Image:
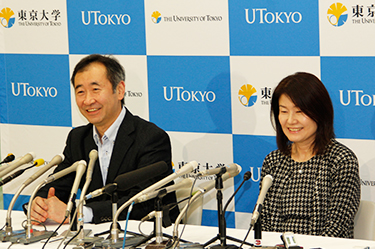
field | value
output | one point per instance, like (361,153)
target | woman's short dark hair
(115,72)
(308,93)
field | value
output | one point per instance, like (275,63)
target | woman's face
(296,125)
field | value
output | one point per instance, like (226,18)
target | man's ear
(120,90)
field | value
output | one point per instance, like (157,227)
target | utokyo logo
(156,17)
(26,90)
(7,17)
(180,94)
(337,14)
(104,19)
(273,17)
(247,95)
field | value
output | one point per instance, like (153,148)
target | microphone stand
(118,244)
(159,241)
(222,236)
(158,234)
(32,235)
(114,199)
(258,232)
(184,170)
(82,239)
(9,233)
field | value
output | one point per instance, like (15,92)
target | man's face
(95,97)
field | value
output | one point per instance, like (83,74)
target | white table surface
(192,233)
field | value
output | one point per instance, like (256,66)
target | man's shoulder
(81,130)
(141,124)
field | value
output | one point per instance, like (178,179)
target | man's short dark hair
(115,72)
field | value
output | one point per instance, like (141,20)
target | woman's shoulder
(275,155)
(339,156)
(338,149)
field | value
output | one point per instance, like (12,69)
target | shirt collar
(111,132)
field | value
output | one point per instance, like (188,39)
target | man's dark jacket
(138,143)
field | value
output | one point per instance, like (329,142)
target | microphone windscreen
(247,175)
(128,180)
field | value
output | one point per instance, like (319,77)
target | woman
(316,187)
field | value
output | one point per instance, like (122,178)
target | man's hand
(56,208)
(51,208)
(39,210)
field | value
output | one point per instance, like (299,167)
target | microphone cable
(187,209)
(67,232)
(126,224)
(9,178)
(246,177)
(73,237)
(54,232)
(247,234)
(70,225)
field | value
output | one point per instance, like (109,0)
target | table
(193,233)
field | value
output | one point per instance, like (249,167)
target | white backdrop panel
(355,37)
(41,27)
(187,27)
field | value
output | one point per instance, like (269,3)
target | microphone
(266,184)
(225,177)
(201,190)
(246,177)
(93,155)
(231,168)
(187,168)
(51,178)
(81,168)
(37,163)
(6,165)
(107,189)
(10,157)
(25,159)
(55,161)
(186,183)
(128,180)
(61,173)
(132,178)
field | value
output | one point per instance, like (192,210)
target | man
(124,143)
